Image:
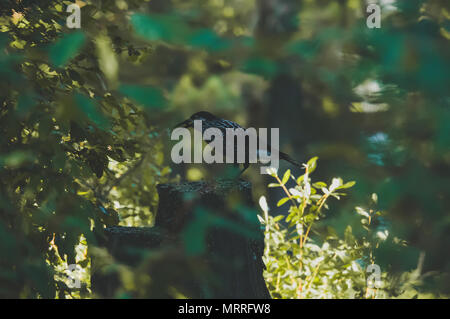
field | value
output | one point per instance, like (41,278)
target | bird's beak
(187,123)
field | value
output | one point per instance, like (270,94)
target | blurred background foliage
(84,118)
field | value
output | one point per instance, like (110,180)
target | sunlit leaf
(312,164)
(282,201)
(286,176)
(347,185)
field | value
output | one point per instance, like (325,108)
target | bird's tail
(287,158)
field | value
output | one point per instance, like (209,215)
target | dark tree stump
(225,263)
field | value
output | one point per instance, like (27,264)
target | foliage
(303,261)
(75,154)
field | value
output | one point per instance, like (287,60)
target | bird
(209,120)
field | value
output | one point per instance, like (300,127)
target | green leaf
(148,96)
(346,185)
(282,201)
(300,179)
(26,102)
(312,164)
(209,40)
(278,218)
(151,27)
(66,48)
(89,108)
(319,184)
(161,27)
(260,66)
(286,176)
(107,59)
(274,185)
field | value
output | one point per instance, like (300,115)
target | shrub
(305,259)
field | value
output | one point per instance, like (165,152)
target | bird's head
(200,116)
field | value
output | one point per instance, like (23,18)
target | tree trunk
(210,225)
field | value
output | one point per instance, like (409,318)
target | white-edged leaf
(272,171)
(263,204)
(295,192)
(307,190)
(375,198)
(361,211)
